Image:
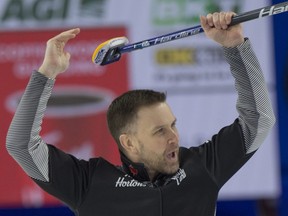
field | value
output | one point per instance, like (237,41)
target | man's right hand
(56,59)
(216,27)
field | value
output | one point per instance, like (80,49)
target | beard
(159,163)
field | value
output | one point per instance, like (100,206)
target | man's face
(157,139)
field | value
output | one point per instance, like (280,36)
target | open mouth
(172,155)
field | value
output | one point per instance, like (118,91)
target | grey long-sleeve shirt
(253,105)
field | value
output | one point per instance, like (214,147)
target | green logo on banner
(174,12)
(46,10)
(92,8)
(20,10)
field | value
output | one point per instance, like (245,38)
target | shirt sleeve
(233,145)
(256,115)
(55,171)
(23,141)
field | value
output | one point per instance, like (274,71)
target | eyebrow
(154,129)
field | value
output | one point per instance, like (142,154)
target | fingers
(65,36)
(217,20)
(58,42)
(56,59)
(204,23)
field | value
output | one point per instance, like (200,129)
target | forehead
(155,115)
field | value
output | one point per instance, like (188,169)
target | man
(157,177)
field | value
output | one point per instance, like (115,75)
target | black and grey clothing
(96,187)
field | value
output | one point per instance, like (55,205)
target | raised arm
(256,116)
(233,145)
(23,141)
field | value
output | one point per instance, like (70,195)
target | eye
(173,125)
(160,130)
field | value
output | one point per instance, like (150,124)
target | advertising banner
(75,120)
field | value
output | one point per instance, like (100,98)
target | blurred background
(192,71)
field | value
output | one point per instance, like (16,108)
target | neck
(151,174)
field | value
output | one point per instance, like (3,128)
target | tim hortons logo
(126,181)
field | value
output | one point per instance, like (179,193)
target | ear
(127,143)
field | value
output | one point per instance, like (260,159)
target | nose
(173,136)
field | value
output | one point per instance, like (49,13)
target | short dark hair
(122,112)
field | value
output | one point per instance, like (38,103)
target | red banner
(75,120)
